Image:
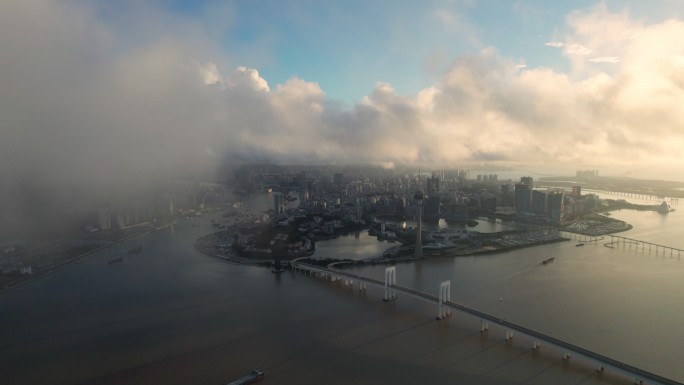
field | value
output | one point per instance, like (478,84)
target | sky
(96,92)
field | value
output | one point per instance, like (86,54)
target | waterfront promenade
(535,341)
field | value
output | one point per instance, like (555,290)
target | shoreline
(200,246)
(87,254)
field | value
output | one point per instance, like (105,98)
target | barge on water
(253,376)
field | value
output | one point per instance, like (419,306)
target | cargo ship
(253,376)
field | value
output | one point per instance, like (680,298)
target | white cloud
(577,49)
(249,78)
(605,59)
(80,105)
(209,72)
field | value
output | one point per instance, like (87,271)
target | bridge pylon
(390,281)
(444,296)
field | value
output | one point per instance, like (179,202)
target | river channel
(171,315)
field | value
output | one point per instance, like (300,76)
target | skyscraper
(556,206)
(278,203)
(528,181)
(523,195)
(432,186)
(431,209)
(338,180)
(418,253)
(576,191)
(539,204)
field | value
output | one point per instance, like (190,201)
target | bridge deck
(562,347)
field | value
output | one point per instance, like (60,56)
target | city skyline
(99,92)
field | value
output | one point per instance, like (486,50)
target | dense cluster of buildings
(12,264)
(554,205)
(357,193)
(177,197)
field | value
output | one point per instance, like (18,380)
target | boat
(579,244)
(547,261)
(253,376)
(116,260)
(135,250)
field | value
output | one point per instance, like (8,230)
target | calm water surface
(203,321)
(625,304)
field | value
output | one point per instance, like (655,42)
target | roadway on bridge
(545,340)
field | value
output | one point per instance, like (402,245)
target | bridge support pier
(390,280)
(536,346)
(509,335)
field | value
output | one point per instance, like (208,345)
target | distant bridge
(617,241)
(641,196)
(389,284)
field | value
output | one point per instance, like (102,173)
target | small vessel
(579,244)
(547,261)
(116,260)
(253,376)
(135,250)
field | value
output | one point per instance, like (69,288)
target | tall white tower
(418,197)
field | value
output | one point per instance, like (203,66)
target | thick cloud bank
(81,99)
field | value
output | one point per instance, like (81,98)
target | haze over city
(213,191)
(92,90)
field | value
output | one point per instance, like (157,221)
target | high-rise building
(587,173)
(337,180)
(523,195)
(358,208)
(507,195)
(528,181)
(418,252)
(431,208)
(104,219)
(433,186)
(539,201)
(278,203)
(576,191)
(555,199)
